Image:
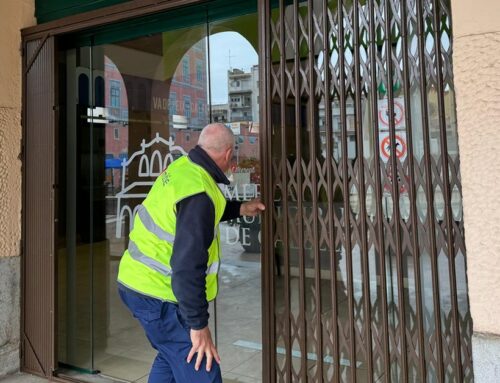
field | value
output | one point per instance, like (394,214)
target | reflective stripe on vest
(139,256)
(152,227)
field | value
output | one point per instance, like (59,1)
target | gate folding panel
(365,278)
(38,278)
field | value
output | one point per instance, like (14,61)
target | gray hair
(216,137)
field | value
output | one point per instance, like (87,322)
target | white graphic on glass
(149,167)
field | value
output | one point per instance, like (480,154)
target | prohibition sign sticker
(383,114)
(400,147)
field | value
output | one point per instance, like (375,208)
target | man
(168,274)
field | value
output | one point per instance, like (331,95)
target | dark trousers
(168,335)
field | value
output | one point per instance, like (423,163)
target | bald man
(168,273)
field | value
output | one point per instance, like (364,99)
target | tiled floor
(22,378)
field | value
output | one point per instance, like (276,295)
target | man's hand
(252,208)
(203,345)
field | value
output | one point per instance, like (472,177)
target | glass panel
(74,244)
(156,103)
(141,104)
(234,89)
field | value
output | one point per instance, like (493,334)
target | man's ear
(229,154)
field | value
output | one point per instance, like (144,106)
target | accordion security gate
(368,274)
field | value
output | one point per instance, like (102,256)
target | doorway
(134,98)
(364,266)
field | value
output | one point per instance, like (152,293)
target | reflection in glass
(141,103)
(234,93)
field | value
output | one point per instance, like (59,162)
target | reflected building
(243,94)
(188,90)
(184,104)
(220,112)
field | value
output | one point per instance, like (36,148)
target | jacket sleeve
(231,211)
(193,236)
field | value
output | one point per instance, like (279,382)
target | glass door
(134,98)
(234,87)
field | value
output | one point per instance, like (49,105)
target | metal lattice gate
(366,279)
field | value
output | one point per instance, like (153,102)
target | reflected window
(185,69)
(173,103)
(114,93)
(83,89)
(187,106)
(116,133)
(199,71)
(99,91)
(201,108)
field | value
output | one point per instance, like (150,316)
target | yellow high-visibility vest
(145,265)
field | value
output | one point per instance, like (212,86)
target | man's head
(218,141)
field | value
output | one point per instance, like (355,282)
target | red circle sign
(388,185)
(385,147)
(383,114)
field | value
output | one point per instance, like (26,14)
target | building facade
(141,77)
(243,91)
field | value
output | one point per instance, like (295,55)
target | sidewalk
(22,378)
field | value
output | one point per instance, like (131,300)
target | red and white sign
(386,146)
(388,184)
(383,114)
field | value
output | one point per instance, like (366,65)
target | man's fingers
(199,359)
(191,354)
(216,355)
(209,360)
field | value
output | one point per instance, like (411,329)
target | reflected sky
(228,50)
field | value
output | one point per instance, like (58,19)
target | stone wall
(9,315)
(14,15)
(476,67)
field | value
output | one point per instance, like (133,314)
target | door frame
(51,31)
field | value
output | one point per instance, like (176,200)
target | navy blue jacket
(193,236)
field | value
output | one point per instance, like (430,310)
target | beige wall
(14,14)
(476,65)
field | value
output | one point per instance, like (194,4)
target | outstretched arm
(252,207)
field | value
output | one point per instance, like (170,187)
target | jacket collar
(201,158)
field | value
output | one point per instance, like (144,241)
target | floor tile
(22,378)
(124,368)
(236,378)
(251,368)
(233,356)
